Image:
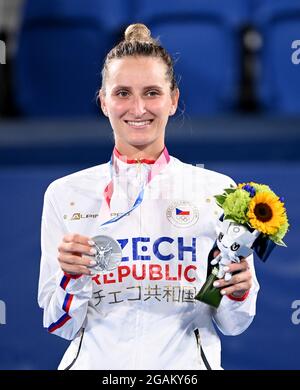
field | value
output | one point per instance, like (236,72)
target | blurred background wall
(238,68)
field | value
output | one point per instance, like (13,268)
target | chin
(139,141)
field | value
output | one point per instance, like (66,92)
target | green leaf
(230,190)
(220,199)
(280,243)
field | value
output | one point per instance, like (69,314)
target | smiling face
(137,99)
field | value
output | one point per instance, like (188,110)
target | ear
(174,97)
(102,102)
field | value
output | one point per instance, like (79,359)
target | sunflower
(266,213)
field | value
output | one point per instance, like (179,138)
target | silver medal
(108,256)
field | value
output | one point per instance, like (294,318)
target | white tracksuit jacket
(141,315)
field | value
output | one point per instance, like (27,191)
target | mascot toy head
(235,240)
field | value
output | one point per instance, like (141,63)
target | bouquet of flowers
(254,219)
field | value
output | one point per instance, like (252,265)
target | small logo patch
(79,216)
(182,214)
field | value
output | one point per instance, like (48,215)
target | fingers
(77,244)
(75,269)
(76,260)
(75,264)
(73,247)
(71,254)
(234,267)
(77,238)
(239,283)
(237,290)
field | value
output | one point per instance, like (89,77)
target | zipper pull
(138,161)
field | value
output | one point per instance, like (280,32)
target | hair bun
(138,32)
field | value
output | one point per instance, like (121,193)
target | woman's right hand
(71,254)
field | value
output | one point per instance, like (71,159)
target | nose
(138,107)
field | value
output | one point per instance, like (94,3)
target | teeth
(144,123)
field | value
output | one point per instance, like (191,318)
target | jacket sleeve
(64,298)
(234,316)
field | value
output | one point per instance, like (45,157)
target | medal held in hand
(254,220)
(108,256)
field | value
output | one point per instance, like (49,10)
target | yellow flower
(266,213)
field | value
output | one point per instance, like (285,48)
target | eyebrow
(153,87)
(145,88)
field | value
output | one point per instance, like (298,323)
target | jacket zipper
(77,354)
(138,161)
(203,357)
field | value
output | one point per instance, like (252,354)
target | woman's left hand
(240,283)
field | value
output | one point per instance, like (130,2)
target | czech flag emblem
(182,212)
